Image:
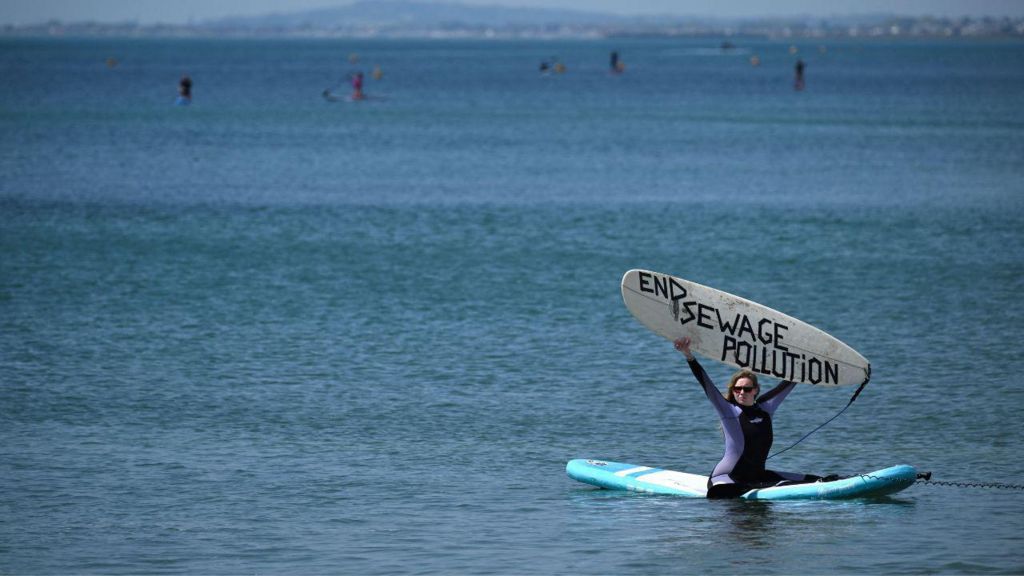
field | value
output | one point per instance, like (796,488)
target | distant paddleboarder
(184,91)
(554,65)
(355,80)
(798,79)
(615,65)
(357,86)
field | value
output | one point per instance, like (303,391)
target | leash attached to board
(822,425)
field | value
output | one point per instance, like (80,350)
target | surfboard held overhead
(739,332)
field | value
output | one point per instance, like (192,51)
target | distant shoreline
(72,35)
(881,28)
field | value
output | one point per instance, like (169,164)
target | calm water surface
(267,333)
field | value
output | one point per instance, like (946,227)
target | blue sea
(268,333)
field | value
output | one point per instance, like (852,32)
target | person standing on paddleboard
(747,421)
(798,75)
(357,86)
(184,91)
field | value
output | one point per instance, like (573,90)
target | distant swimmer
(798,80)
(755,60)
(377,73)
(184,91)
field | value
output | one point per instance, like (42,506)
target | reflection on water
(752,521)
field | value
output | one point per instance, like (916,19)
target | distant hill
(421,18)
(419,15)
(449,19)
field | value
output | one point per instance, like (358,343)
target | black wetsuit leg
(722,491)
(767,480)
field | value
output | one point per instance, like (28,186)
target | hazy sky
(180,11)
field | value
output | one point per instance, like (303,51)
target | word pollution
(758,344)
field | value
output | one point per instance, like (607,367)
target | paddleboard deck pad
(619,476)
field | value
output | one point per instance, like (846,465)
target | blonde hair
(736,378)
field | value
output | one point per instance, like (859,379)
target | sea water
(267,333)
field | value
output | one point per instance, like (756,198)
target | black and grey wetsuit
(748,439)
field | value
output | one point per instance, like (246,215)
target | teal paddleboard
(619,476)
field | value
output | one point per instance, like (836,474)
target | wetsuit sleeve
(722,405)
(771,399)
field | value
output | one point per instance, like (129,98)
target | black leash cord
(926,479)
(822,425)
(922,477)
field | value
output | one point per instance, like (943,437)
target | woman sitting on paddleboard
(747,422)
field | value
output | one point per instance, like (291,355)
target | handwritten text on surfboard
(757,344)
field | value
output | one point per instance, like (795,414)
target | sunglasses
(747,389)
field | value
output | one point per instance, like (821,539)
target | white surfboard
(741,333)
